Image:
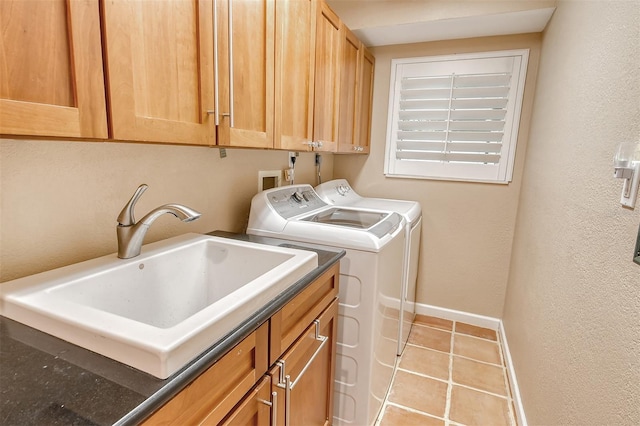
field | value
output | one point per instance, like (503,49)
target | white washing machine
(370,275)
(338,192)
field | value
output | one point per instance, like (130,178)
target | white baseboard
(511,372)
(453,315)
(492,324)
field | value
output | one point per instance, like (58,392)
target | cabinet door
(52,81)
(294,72)
(210,397)
(306,372)
(366,101)
(348,125)
(256,408)
(245,35)
(327,79)
(160,70)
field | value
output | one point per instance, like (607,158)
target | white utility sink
(157,311)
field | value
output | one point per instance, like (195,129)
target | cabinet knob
(314,144)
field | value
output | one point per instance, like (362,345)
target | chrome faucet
(131,234)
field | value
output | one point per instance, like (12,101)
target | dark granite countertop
(48,381)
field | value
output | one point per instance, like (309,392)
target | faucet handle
(126,218)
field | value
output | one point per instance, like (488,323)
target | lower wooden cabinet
(257,408)
(281,374)
(210,397)
(303,376)
(290,322)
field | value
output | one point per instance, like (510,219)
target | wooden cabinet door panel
(349,92)
(327,79)
(245,32)
(289,322)
(306,372)
(160,70)
(52,81)
(255,408)
(366,101)
(277,397)
(210,397)
(295,62)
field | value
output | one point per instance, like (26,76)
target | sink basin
(158,311)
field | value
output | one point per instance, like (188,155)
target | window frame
(503,173)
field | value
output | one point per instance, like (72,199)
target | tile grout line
(437,379)
(458,332)
(450,383)
(413,410)
(479,361)
(506,398)
(447,406)
(417,373)
(385,401)
(501,365)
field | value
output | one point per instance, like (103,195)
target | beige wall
(572,312)
(467,227)
(59,200)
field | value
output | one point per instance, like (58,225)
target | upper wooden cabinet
(365,102)
(159,62)
(327,79)
(294,73)
(283,74)
(356,91)
(265,68)
(348,125)
(51,78)
(245,54)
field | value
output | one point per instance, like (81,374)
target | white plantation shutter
(455,117)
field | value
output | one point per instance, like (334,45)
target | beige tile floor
(450,373)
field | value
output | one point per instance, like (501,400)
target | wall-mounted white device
(626,165)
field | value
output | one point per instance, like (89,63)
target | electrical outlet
(292,157)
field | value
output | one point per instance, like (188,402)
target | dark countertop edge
(222,346)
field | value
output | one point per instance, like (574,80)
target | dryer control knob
(297,197)
(342,189)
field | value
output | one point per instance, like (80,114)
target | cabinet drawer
(215,392)
(291,321)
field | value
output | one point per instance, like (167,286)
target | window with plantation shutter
(455,117)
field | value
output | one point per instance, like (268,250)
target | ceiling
(385,22)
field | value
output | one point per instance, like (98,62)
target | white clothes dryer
(370,275)
(338,192)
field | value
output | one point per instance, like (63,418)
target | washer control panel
(343,189)
(294,200)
